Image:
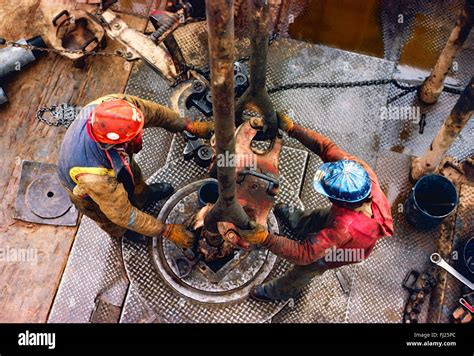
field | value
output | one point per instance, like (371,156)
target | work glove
(178,234)
(284,122)
(257,236)
(201,129)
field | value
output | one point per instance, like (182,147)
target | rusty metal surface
(231,282)
(350,116)
(220,17)
(41,198)
(433,85)
(450,130)
(463,230)
(436,20)
(152,290)
(256,95)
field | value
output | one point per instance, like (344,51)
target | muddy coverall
(108,192)
(331,232)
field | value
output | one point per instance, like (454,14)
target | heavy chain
(118,53)
(363,83)
(181,77)
(62,115)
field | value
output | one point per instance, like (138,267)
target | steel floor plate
(349,116)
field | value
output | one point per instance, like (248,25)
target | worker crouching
(359,216)
(97,168)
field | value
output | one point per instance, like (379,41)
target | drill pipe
(431,89)
(458,118)
(220,19)
(259,11)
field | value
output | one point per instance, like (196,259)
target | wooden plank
(27,289)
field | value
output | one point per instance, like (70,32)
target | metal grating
(351,117)
(140,8)
(154,291)
(436,19)
(377,295)
(400,133)
(94,265)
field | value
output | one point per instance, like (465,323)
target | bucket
(208,193)
(431,200)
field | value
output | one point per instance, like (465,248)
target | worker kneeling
(97,168)
(343,234)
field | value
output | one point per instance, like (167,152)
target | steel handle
(438,260)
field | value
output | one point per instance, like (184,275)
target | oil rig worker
(97,168)
(343,234)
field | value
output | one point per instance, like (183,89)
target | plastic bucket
(431,200)
(208,193)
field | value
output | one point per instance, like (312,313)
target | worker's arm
(157,115)
(308,251)
(112,199)
(319,144)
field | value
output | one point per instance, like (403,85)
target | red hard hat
(116,121)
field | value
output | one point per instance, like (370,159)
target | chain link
(118,53)
(62,115)
(181,77)
(363,83)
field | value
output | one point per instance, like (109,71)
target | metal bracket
(139,45)
(273,183)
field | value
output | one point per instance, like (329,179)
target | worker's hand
(256,236)
(201,129)
(284,122)
(178,234)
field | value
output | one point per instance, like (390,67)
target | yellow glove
(284,122)
(178,234)
(201,129)
(256,236)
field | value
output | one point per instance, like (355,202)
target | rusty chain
(123,54)
(62,115)
(66,120)
(181,77)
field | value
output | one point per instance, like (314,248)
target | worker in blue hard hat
(343,234)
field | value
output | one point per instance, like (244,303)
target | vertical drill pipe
(282,16)
(450,130)
(259,11)
(433,85)
(220,19)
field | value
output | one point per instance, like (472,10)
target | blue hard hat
(343,180)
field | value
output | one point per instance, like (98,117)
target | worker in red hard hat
(345,233)
(97,168)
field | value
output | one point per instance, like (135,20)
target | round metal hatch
(46,197)
(206,283)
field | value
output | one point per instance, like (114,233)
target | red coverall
(343,230)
